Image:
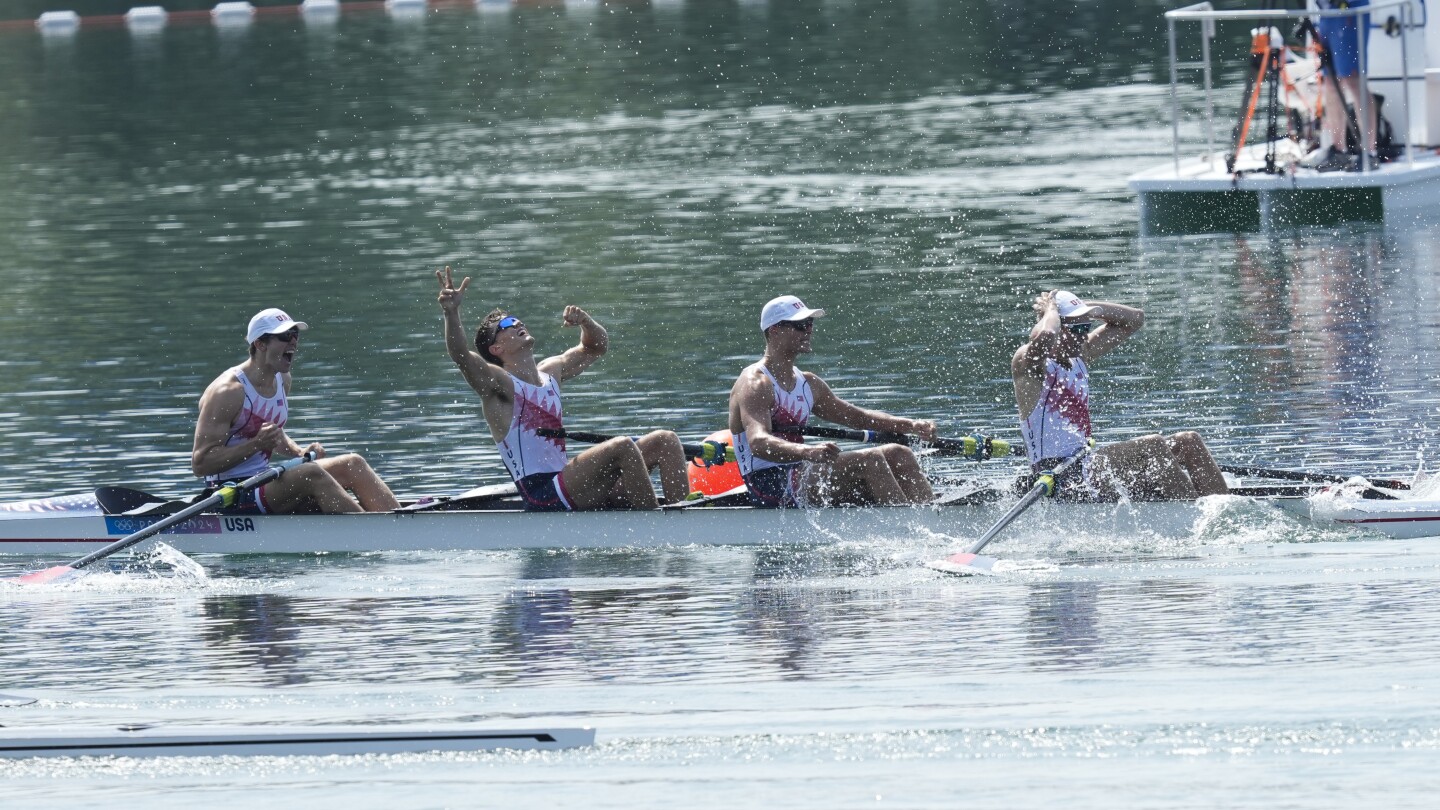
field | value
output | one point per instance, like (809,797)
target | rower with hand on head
(1051,373)
(770,404)
(242,423)
(520,395)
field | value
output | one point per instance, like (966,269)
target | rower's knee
(896,454)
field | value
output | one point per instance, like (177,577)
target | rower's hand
(924,428)
(316,449)
(450,295)
(270,438)
(1044,302)
(575,316)
(826,453)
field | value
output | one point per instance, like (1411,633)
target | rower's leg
(592,476)
(1145,469)
(311,481)
(1195,457)
(661,448)
(355,474)
(857,476)
(908,474)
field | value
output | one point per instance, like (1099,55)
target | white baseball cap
(786,308)
(1070,305)
(271,321)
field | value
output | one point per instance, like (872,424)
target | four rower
(244,411)
(520,395)
(242,423)
(1052,389)
(769,406)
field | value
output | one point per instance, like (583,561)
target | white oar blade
(964,564)
(48,575)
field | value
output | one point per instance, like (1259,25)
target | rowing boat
(144,741)
(74,525)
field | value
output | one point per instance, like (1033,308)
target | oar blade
(965,564)
(45,576)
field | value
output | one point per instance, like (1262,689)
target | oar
(971,562)
(705,451)
(224,496)
(978,448)
(469,499)
(1312,477)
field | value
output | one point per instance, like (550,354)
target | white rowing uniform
(1059,425)
(535,461)
(773,483)
(257,411)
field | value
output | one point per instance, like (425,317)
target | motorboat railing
(1207,16)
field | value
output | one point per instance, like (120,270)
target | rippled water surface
(920,169)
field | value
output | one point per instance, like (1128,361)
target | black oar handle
(977,448)
(1310,477)
(710,452)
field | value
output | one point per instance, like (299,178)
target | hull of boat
(59,534)
(1201,197)
(279,741)
(1400,519)
(66,534)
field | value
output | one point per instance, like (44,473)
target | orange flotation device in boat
(712,478)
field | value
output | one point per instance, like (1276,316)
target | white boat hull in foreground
(279,741)
(81,528)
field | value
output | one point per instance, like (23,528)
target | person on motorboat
(520,395)
(1340,37)
(770,404)
(242,423)
(1051,373)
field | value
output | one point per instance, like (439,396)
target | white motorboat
(1258,182)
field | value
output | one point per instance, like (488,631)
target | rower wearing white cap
(769,406)
(242,423)
(1052,390)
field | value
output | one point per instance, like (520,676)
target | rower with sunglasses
(520,395)
(242,423)
(769,406)
(1052,389)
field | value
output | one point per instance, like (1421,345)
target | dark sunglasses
(801,326)
(507,322)
(284,337)
(1080,329)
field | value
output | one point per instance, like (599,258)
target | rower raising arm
(1052,392)
(520,395)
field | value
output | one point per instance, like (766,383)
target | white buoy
(492,5)
(234,13)
(320,8)
(146,18)
(406,7)
(58,22)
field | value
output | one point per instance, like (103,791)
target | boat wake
(160,568)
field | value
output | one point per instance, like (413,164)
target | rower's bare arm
(594,342)
(485,377)
(219,406)
(1117,324)
(832,408)
(1027,372)
(756,400)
